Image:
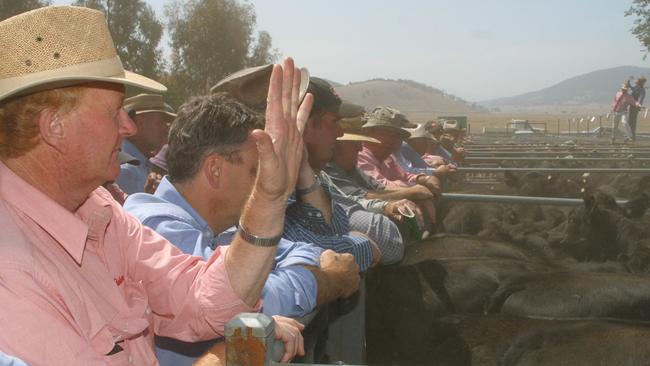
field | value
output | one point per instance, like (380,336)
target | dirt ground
(552,122)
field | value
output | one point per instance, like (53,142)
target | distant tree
(9,8)
(136,32)
(641,29)
(210,39)
(262,52)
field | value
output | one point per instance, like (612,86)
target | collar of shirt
(169,193)
(129,148)
(69,230)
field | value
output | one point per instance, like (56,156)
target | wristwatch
(257,241)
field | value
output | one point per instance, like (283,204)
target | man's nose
(338,128)
(127,125)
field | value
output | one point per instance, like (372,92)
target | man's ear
(52,128)
(212,169)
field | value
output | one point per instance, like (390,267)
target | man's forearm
(388,194)
(328,290)
(249,265)
(315,196)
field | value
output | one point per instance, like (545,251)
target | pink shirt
(622,101)
(72,286)
(388,172)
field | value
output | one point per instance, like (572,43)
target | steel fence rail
(555,153)
(554,170)
(552,158)
(491,198)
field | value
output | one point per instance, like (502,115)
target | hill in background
(592,91)
(417,101)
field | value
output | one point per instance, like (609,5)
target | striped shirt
(305,223)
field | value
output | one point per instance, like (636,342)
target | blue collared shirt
(411,161)
(132,178)
(6,360)
(290,289)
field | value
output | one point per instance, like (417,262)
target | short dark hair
(208,124)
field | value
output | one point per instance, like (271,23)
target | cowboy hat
(58,46)
(357,137)
(421,132)
(251,86)
(147,103)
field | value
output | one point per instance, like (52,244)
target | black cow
(566,295)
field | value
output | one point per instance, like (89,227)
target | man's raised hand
(280,145)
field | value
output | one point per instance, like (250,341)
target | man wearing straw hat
(638,93)
(152,117)
(367,191)
(83,283)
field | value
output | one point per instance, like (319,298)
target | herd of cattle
(524,284)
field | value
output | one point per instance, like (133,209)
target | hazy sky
(475,49)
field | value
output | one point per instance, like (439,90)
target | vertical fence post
(250,341)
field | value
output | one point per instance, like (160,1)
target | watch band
(314,186)
(257,241)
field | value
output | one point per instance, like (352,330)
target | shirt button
(126,327)
(130,358)
(148,311)
(319,214)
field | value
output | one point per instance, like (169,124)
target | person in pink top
(622,100)
(81,281)
(378,160)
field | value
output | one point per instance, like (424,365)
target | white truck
(514,128)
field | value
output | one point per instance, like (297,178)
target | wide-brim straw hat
(251,86)
(347,136)
(389,118)
(58,46)
(148,103)
(421,132)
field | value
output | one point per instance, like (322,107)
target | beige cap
(147,103)
(251,86)
(59,46)
(357,137)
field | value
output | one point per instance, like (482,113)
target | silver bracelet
(311,188)
(255,240)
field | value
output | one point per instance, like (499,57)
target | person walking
(638,93)
(622,100)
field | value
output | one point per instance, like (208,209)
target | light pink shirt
(622,101)
(72,285)
(388,172)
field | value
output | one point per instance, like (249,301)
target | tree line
(208,39)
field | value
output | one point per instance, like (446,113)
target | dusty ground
(551,121)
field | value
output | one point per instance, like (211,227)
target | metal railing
(553,170)
(490,198)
